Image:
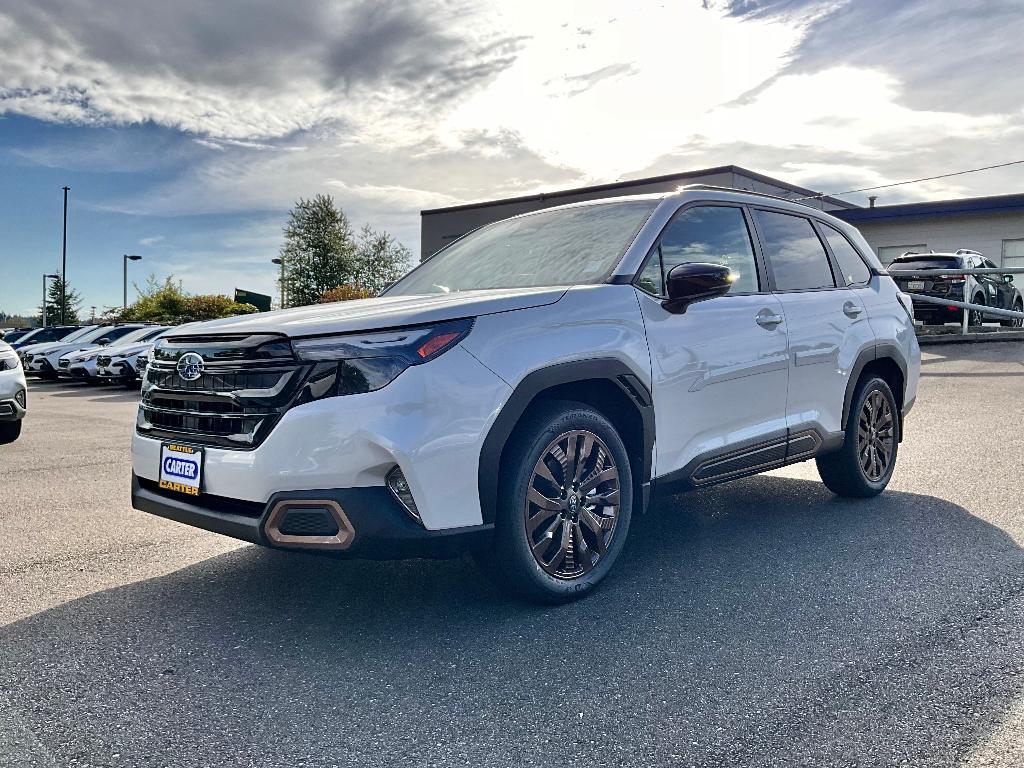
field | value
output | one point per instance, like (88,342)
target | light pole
(281,262)
(45,278)
(127,257)
(64,260)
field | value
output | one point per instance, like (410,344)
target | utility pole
(281,262)
(64,261)
(127,257)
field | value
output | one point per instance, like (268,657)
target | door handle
(767,319)
(851,310)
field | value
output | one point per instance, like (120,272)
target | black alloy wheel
(572,504)
(875,436)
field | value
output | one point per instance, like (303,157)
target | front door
(720,368)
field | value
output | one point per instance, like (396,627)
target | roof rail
(968,251)
(737,190)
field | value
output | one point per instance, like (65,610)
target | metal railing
(946,272)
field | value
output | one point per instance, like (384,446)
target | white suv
(523,393)
(12,394)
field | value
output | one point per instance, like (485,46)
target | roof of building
(680,177)
(991,204)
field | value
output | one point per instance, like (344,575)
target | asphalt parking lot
(759,623)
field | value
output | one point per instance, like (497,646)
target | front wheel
(1014,322)
(864,465)
(564,507)
(9,431)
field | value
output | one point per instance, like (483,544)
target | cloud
(240,70)
(150,241)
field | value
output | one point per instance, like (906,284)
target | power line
(909,181)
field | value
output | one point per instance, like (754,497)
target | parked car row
(105,354)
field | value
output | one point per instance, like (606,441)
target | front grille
(63,363)
(236,400)
(104,360)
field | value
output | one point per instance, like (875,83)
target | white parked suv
(12,394)
(524,392)
(84,365)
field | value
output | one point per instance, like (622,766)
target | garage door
(1013,258)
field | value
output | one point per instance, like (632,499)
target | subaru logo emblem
(190,366)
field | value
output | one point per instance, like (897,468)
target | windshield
(921,262)
(77,335)
(570,246)
(140,334)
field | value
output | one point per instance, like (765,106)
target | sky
(186,130)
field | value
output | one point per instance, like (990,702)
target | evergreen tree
(379,260)
(56,299)
(318,251)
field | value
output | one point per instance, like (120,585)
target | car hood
(381,312)
(63,349)
(77,352)
(129,350)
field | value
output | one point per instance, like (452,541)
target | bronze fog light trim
(341,540)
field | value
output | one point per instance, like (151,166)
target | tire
(531,471)
(1014,322)
(976,316)
(844,471)
(9,431)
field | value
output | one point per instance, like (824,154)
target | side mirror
(687,284)
(102,341)
(1007,278)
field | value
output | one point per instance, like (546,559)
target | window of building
(713,234)
(889,252)
(798,258)
(854,269)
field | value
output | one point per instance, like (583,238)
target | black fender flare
(535,382)
(882,350)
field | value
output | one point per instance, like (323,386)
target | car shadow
(751,624)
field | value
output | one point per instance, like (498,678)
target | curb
(970,338)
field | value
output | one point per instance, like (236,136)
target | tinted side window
(713,234)
(797,256)
(854,269)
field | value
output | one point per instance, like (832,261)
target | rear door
(720,368)
(825,318)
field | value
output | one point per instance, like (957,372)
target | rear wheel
(9,431)
(1014,322)
(864,465)
(977,316)
(564,507)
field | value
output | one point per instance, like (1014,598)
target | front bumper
(85,371)
(39,366)
(381,528)
(431,421)
(13,409)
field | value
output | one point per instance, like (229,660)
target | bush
(345,293)
(166,302)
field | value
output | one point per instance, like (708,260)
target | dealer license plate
(181,468)
(915,285)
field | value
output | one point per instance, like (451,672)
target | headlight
(364,362)
(8,360)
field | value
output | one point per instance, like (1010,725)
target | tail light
(954,278)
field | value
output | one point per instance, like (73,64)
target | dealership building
(992,225)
